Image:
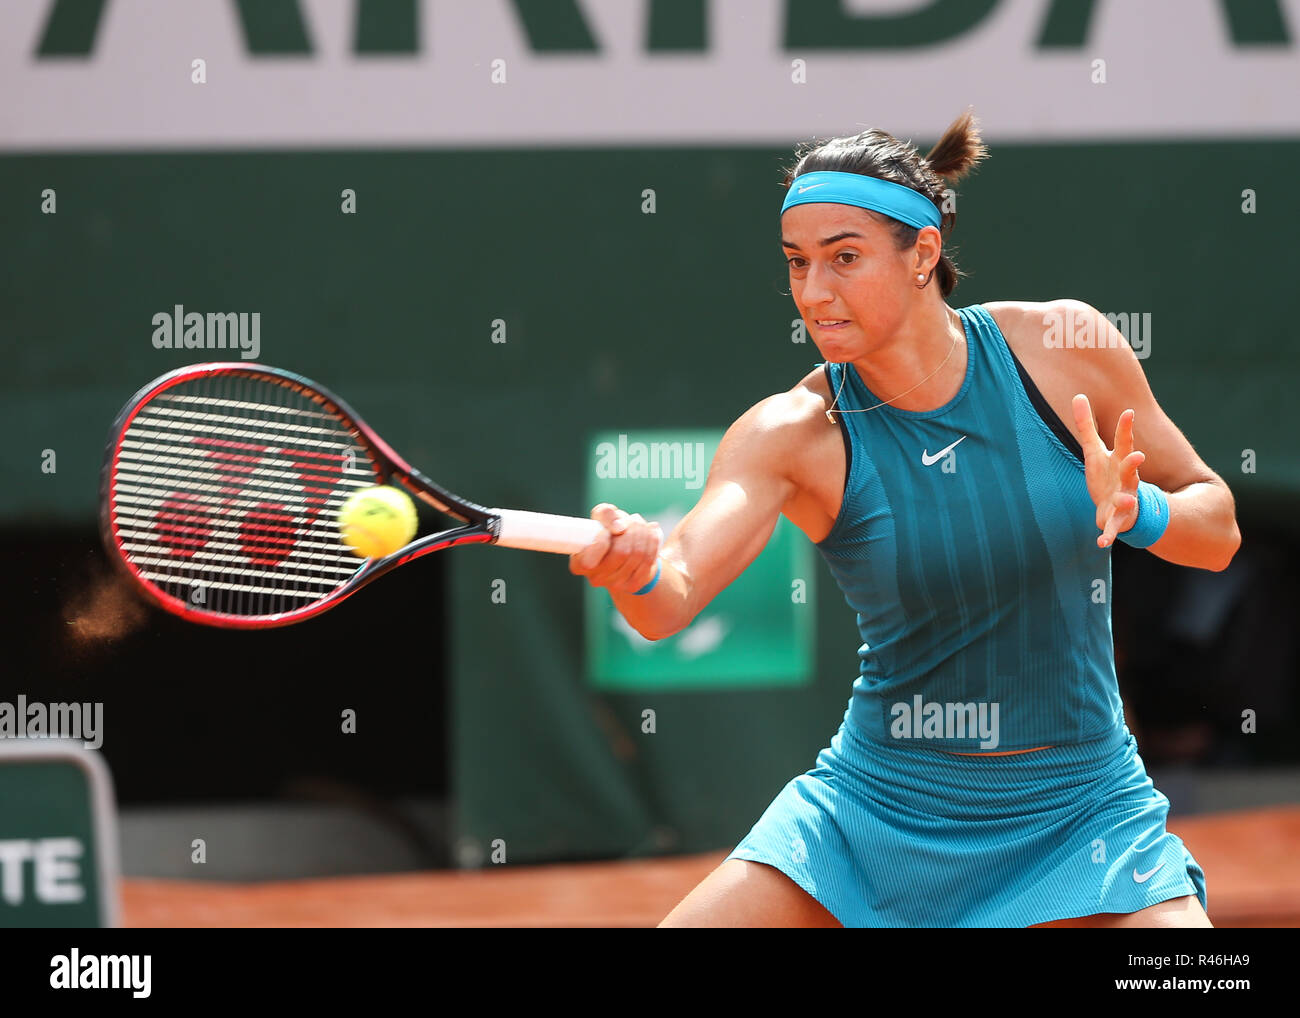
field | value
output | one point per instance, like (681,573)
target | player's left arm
(1146,445)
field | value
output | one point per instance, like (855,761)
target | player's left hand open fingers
(1122,515)
(1085,430)
(1124,434)
(1128,470)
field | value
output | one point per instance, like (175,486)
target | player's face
(860,278)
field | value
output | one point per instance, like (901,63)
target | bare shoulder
(1024,323)
(787,435)
(1011,314)
(1082,334)
(817,461)
(791,417)
(812,396)
(1066,346)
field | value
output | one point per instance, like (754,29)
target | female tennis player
(983,774)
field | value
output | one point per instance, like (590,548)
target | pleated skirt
(906,836)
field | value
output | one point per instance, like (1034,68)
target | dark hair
(876,153)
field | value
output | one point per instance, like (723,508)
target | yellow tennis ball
(377,521)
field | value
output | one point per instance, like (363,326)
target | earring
(920,279)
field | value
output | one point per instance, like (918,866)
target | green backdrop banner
(756,633)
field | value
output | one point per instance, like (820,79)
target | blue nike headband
(894,200)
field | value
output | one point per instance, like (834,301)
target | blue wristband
(1153,517)
(659,568)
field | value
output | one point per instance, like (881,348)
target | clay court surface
(1251,861)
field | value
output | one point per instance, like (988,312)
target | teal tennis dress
(967,545)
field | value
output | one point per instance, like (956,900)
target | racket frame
(481,525)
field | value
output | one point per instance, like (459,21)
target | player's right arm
(750,481)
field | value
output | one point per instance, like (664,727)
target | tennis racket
(221,486)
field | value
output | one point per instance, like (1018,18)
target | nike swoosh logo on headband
(809,187)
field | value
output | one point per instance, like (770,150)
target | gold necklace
(830,414)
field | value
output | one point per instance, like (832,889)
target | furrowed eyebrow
(823,243)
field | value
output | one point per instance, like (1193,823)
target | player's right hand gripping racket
(220,490)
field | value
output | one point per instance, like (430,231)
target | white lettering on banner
(56,874)
(599,72)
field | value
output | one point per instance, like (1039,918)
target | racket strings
(225,494)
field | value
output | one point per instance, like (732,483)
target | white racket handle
(563,535)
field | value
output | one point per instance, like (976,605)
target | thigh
(1176,912)
(744,893)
